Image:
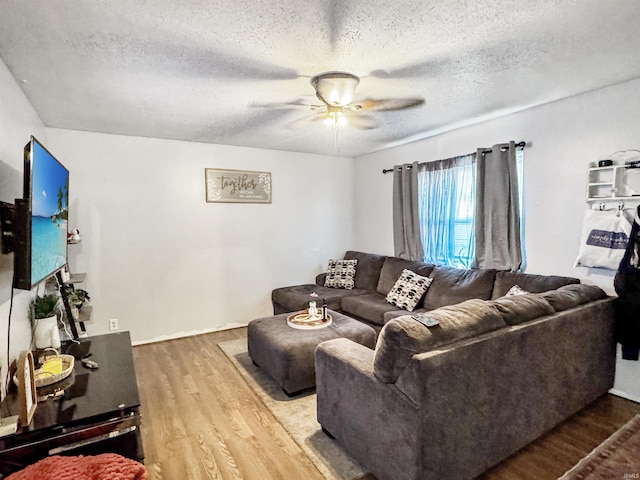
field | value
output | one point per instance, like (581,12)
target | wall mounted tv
(40,232)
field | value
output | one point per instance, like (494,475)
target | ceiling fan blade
(296,104)
(362,122)
(387,104)
(309,118)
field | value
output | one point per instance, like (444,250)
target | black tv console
(98,413)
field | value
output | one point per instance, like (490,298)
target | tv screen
(44,211)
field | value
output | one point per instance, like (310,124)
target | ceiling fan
(336,91)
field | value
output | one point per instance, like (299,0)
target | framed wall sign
(26,388)
(237,186)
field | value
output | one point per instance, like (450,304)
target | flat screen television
(41,218)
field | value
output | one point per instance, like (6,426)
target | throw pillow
(515,290)
(408,290)
(341,274)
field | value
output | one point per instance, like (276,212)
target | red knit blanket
(107,466)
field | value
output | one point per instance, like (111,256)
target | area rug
(617,458)
(297,415)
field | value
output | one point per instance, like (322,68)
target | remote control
(90,364)
(426,321)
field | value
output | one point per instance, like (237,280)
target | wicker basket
(44,378)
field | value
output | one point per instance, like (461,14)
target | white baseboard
(174,336)
(620,393)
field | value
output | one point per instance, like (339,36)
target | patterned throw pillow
(341,274)
(515,290)
(408,290)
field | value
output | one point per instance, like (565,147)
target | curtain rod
(518,145)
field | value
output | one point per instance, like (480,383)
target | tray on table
(303,321)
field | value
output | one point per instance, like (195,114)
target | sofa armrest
(320,278)
(349,354)
(365,415)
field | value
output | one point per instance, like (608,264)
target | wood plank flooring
(202,421)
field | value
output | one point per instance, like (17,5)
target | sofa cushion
(452,285)
(530,283)
(297,297)
(403,337)
(368,271)
(370,307)
(408,290)
(392,269)
(570,296)
(516,309)
(341,274)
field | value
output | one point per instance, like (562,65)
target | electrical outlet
(113,324)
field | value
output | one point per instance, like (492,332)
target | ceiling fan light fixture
(336,119)
(335,88)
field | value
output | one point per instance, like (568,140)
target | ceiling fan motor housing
(335,88)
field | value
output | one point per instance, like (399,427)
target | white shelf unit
(607,184)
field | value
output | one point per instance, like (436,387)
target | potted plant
(45,320)
(77,297)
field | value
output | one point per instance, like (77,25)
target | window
(446,206)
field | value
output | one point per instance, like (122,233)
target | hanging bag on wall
(605,234)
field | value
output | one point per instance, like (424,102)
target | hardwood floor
(202,421)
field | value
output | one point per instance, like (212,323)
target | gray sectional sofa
(451,401)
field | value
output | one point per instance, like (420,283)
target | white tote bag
(605,235)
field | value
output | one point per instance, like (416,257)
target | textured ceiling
(237,72)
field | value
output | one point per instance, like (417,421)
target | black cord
(9,336)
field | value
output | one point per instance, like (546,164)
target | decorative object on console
(237,186)
(26,388)
(341,274)
(53,368)
(408,290)
(45,321)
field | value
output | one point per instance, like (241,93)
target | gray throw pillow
(408,290)
(341,274)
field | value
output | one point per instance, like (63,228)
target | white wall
(18,120)
(164,262)
(562,138)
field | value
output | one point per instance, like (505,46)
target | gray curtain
(497,223)
(406,223)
